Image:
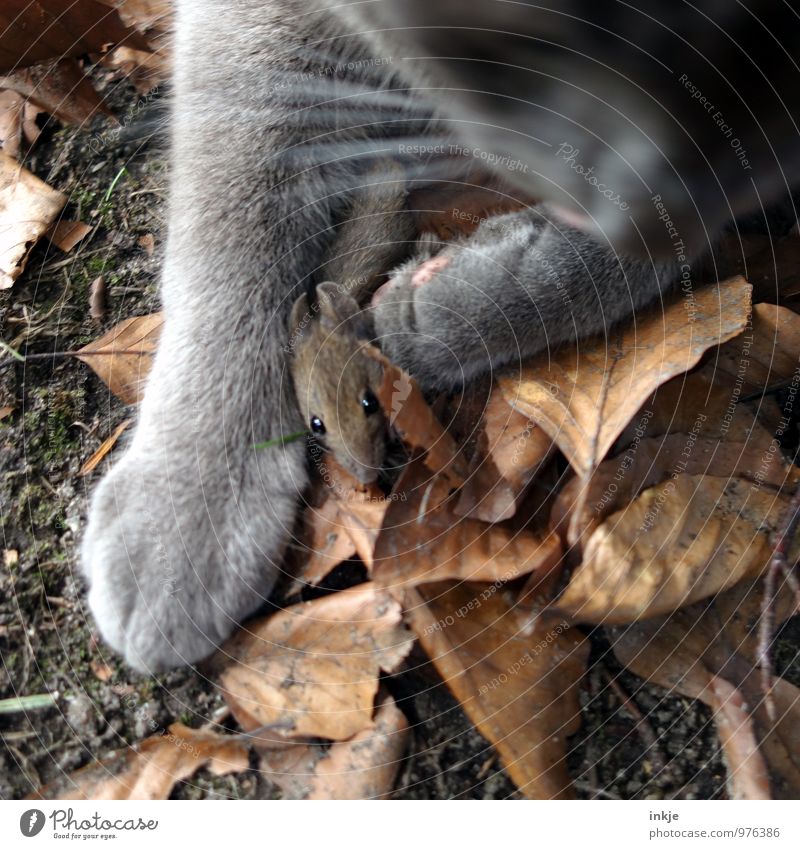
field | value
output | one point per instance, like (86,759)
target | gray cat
(640,146)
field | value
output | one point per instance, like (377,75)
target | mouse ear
(337,307)
(300,317)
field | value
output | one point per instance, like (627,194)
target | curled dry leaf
(423,540)
(584,399)
(366,766)
(707,651)
(516,678)
(125,355)
(97,298)
(674,544)
(66,234)
(649,461)
(312,670)
(151,769)
(511,450)
(28,207)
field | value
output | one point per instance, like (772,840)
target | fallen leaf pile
(631,485)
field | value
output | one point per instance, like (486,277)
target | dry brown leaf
(675,544)
(328,544)
(151,769)
(765,354)
(66,234)
(6,411)
(312,669)
(584,399)
(511,450)
(650,461)
(366,766)
(12,107)
(28,207)
(60,89)
(408,413)
(97,298)
(291,768)
(517,680)
(361,507)
(126,355)
(693,403)
(101,670)
(147,243)
(423,540)
(144,15)
(145,69)
(34,31)
(695,649)
(94,461)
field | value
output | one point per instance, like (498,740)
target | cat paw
(453,316)
(180,548)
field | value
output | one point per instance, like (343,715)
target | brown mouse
(336,383)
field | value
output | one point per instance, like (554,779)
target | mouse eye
(369,403)
(317,425)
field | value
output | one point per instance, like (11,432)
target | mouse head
(335,382)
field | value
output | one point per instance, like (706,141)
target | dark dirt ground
(47,644)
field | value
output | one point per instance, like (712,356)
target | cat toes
(173,568)
(428,320)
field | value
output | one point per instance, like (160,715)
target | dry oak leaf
(649,461)
(328,544)
(366,766)
(28,207)
(706,651)
(511,450)
(150,769)
(125,355)
(312,669)
(694,403)
(674,544)
(422,539)
(516,678)
(767,353)
(584,399)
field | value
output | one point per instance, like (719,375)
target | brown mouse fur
(336,383)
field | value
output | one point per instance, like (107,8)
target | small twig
(778,565)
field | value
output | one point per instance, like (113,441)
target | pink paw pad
(425,272)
